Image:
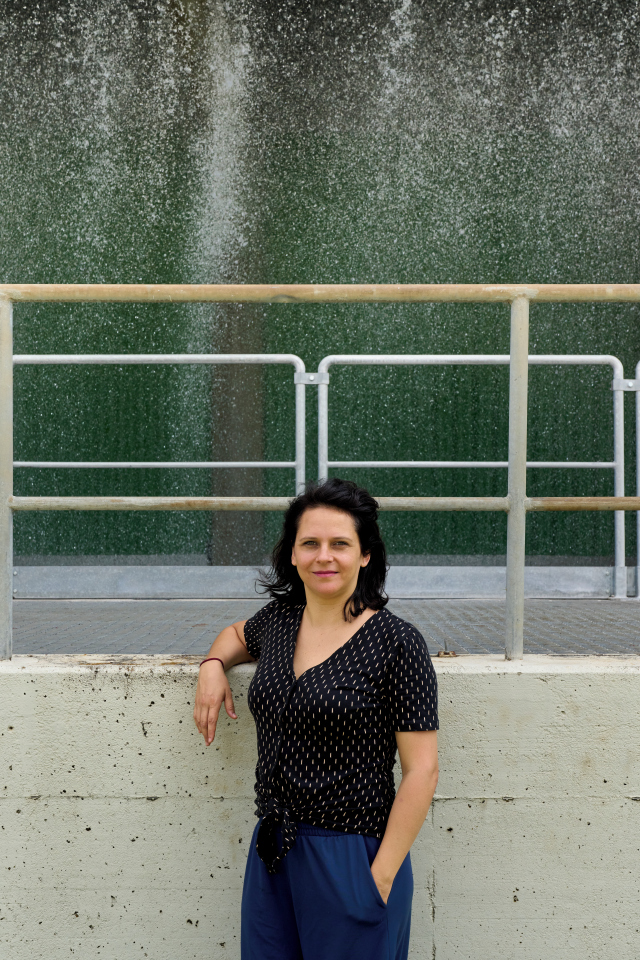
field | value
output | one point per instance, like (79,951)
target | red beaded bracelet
(212,658)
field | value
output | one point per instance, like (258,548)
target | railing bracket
(311,379)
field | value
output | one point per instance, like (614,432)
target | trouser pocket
(367,860)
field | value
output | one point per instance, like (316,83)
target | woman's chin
(325,586)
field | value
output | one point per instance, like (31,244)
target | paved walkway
(562,627)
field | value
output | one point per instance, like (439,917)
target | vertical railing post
(637,481)
(6,478)
(323,431)
(301,429)
(517,487)
(619,568)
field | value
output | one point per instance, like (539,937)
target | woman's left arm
(418,750)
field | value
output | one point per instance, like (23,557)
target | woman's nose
(324,554)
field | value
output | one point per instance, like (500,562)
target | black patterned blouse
(326,742)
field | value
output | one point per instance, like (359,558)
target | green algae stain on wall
(297,142)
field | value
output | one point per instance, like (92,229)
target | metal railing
(180,359)
(635,386)
(617,464)
(516,504)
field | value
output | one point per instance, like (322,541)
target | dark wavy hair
(282,580)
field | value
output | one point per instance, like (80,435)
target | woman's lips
(325,573)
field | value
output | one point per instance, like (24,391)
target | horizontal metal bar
(581,503)
(148,503)
(151,464)
(320,293)
(437,504)
(467,463)
(465,359)
(242,503)
(321,376)
(281,503)
(125,359)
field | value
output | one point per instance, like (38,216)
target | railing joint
(626,386)
(311,379)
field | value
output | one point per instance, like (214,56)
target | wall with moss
(305,142)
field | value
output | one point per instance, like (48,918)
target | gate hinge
(630,386)
(311,379)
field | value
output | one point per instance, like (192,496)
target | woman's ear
(365,559)
(293,557)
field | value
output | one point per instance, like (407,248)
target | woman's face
(327,553)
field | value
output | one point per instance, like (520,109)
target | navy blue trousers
(323,904)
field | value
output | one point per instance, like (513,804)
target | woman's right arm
(213,687)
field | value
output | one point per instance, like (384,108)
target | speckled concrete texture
(124,836)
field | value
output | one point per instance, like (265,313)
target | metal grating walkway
(561,627)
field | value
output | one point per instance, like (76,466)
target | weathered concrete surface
(123,836)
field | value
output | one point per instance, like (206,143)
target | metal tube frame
(517,478)
(637,382)
(179,359)
(6,479)
(518,295)
(617,464)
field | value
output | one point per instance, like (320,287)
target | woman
(341,683)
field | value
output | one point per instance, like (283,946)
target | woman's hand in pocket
(382,883)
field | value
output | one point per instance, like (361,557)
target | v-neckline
(296,630)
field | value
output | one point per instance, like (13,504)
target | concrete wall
(203,582)
(122,836)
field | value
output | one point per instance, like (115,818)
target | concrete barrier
(151,582)
(122,836)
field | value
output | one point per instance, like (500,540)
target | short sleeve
(254,629)
(412,685)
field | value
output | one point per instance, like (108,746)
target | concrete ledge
(202,582)
(134,582)
(464,665)
(125,836)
